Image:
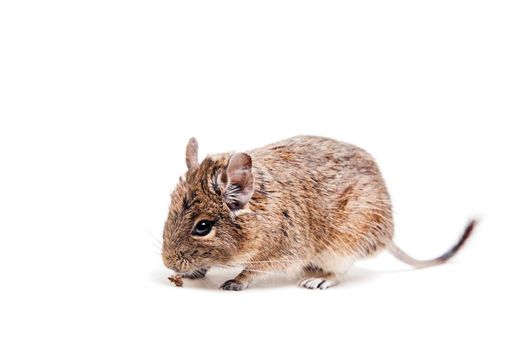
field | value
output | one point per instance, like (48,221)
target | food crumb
(177,279)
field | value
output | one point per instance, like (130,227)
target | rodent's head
(208,206)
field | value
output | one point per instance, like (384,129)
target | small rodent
(308,205)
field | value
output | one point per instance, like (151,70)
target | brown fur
(304,204)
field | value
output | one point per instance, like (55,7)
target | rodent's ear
(237,181)
(192,153)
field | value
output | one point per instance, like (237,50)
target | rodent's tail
(404,257)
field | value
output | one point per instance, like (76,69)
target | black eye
(202,228)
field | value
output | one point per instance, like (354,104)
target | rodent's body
(306,204)
(318,201)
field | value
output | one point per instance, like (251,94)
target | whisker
(275,273)
(152,235)
(270,261)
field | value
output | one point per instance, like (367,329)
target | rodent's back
(314,192)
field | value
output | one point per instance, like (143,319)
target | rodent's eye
(202,228)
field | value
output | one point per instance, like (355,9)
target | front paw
(233,285)
(199,273)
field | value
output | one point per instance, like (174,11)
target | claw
(317,283)
(233,285)
(199,273)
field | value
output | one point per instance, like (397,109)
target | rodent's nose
(170,263)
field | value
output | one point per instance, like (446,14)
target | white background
(97,102)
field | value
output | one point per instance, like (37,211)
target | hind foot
(319,282)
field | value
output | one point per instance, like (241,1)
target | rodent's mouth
(177,268)
(172,263)
(171,266)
